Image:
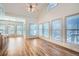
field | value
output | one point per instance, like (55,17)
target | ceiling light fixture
(31,7)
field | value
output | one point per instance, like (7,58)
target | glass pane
(77,40)
(56,24)
(56,35)
(56,29)
(46,29)
(20,29)
(73,29)
(72,22)
(2,29)
(77,37)
(40,29)
(71,37)
(51,6)
(11,30)
(33,29)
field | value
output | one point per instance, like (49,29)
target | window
(72,23)
(52,5)
(33,29)
(20,29)
(56,29)
(40,30)
(2,29)
(46,30)
(11,29)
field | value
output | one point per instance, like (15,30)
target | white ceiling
(19,9)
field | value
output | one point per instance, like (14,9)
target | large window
(20,29)
(40,30)
(11,30)
(56,29)
(2,29)
(72,23)
(46,30)
(33,29)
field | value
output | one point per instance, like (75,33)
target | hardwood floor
(20,46)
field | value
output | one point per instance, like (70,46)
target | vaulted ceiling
(19,9)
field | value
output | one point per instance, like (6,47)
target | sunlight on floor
(34,43)
(15,44)
(19,41)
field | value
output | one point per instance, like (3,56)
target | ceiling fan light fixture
(31,7)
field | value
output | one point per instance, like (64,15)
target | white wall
(60,11)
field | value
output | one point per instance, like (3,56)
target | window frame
(69,29)
(60,19)
(48,30)
(10,23)
(41,29)
(30,30)
(21,25)
(4,29)
(9,34)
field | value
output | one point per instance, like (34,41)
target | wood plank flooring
(21,46)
